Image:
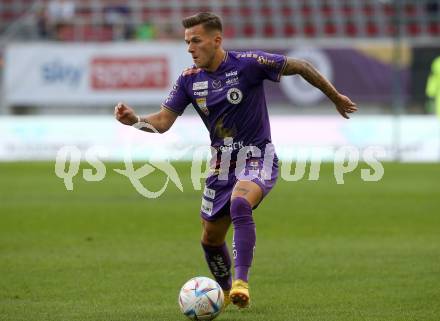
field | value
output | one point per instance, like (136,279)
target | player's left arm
(306,70)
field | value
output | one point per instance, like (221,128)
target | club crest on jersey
(216,84)
(234,96)
(200,85)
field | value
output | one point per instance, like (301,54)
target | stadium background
(357,251)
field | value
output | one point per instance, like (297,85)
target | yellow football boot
(239,294)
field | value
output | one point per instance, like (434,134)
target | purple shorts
(218,188)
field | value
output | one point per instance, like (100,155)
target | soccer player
(226,89)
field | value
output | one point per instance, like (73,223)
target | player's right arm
(158,122)
(306,70)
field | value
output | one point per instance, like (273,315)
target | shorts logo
(209,193)
(234,96)
(200,85)
(207,207)
(216,84)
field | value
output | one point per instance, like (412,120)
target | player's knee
(240,205)
(241,211)
(211,237)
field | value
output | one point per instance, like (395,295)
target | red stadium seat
(330,29)
(245,11)
(391,30)
(287,11)
(413,29)
(367,10)
(84,12)
(273,21)
(351,29)
(289,30)
(269,30)
(266,11)
(306,10)
(164,12)
(326,10)
(347,10)
(226,11)
(310,30)
(410,10)
(67,33)
(434,28)
(249,30)
(372,29)
(147,14)
(389,9)
(229,31)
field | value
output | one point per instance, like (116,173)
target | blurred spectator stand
(60,15)
(117,16)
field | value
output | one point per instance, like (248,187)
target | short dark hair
(208,20)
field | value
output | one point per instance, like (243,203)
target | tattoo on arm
(313,76)
(242,191)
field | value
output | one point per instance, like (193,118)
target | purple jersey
(231,100)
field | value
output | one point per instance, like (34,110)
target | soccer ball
(201,298)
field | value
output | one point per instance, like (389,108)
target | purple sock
(219,263)
(244,237)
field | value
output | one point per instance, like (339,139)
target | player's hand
(345,106)
(125,114)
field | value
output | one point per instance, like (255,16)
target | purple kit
(232,104)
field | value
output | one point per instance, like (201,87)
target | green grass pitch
(327,252)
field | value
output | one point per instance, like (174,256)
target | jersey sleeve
(177,99)
(262,65)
